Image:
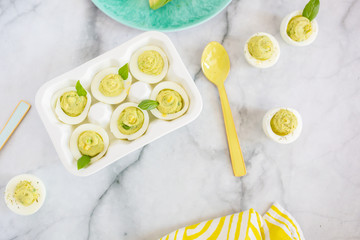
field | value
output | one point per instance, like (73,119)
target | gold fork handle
(237,159)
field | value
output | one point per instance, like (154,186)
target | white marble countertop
(316,178)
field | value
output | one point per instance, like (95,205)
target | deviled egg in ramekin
(25,194)
(283,125)
(297,30)
(109,87)
(70,106)
(172,99)
(89,140)
(262,50)
(129,122)
(149,64)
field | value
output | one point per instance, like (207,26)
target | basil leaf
(124,71)
(83,161)
(311,9)
(148,104)
(126,127)
(80,90)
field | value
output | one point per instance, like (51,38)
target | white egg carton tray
(60,133)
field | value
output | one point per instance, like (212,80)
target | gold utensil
(215,65)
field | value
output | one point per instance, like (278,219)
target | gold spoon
(215,65)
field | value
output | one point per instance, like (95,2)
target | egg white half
(263,63)
(62,116)
(17,207)
(105,99)
(287,39)
(114,122)
(148,78)
(277,138)
(75,137)
(173,86)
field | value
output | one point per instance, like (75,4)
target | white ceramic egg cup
(60,133)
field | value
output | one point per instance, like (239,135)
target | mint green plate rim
(184,27)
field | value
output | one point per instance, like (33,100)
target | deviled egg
(172,100)
(129,121)
(262,50)
(89,140)
(25,194)
(72,104)
(149,64)
(283,125)
(298,30)
(109,87)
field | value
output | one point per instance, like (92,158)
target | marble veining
(186,177)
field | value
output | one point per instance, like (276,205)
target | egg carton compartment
(60,132)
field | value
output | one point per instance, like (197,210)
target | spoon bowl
(215,63)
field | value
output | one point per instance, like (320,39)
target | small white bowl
(277,138)
(263,63)
(17,207)
(287,39)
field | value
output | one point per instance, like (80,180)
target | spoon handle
(236,156)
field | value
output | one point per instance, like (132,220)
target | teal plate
(174,16)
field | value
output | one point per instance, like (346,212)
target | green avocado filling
(90,143)
(25,193)
(72,104)
(151,62)
(170,101)
(111,85)
(283,122)
(299,28)
(131,120)
(261,47)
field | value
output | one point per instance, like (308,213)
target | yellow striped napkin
(276,224)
